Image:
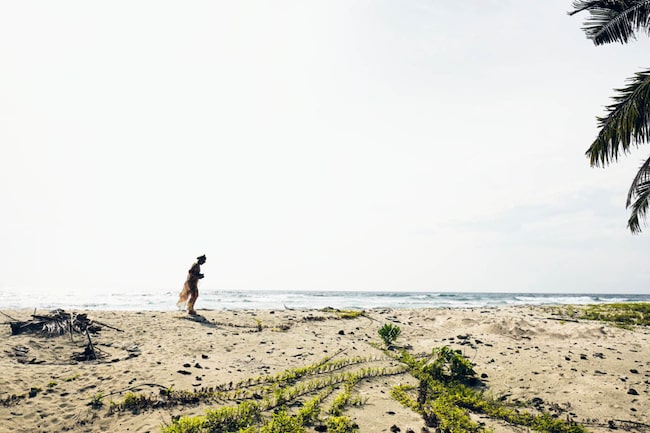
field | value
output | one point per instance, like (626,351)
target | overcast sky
(378,145)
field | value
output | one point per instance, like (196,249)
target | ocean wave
(229,299)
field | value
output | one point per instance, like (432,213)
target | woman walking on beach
(190,290)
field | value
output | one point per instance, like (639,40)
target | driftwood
(563,319)
(89,353)
(7,315)
(58,322)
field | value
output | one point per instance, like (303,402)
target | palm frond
(638,197)
(56,326)
(613,20)
(58,322)
(627,122)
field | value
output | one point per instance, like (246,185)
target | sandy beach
(590,372)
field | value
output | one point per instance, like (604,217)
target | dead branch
(90,344)
(152,385)
(5,314)
(108,326)
(563,320)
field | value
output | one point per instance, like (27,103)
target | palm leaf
(613,20)
(638,197)
(56,326)
(58,322)
(627,122)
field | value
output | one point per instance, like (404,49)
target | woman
(190,290)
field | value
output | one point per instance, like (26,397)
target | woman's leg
(194,294)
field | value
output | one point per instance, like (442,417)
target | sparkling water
(165,300)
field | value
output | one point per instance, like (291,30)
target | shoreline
(588,371)
(165,300)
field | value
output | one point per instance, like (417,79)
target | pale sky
(372,145)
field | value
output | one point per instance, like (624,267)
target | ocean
(296,299)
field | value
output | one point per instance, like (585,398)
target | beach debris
(627,424)
(133,351)
(537,402)
(21,350)
(6,315)
(89,353)
(12,399)
(56,323)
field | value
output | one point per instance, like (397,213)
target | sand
(588,371)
